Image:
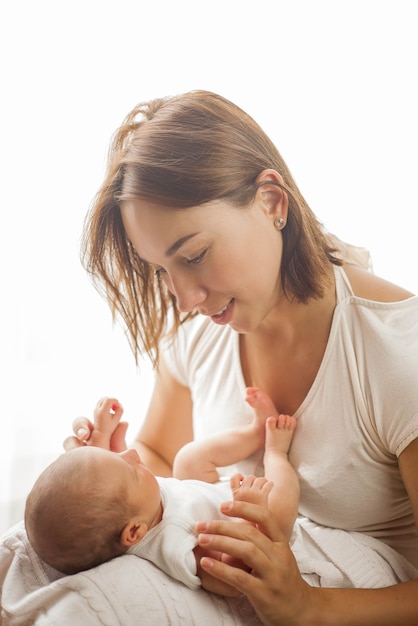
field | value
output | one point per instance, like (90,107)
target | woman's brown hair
(184,151)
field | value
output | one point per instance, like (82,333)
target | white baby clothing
(170,543)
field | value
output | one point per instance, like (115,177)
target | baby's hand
(252,489)
(107,431)
(107,415)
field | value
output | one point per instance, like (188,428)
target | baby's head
(90,505)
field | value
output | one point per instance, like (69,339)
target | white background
(333,82)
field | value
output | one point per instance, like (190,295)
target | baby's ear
(133,532)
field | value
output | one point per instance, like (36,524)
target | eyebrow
(172,249)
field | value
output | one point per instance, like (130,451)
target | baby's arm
(200,459)
(107,415)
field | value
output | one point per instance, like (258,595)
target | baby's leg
(107,415)
(284,496)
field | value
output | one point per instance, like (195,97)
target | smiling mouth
(221,312)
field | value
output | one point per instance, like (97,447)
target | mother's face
(217,259)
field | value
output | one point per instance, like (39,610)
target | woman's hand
(215,585)
(272,583)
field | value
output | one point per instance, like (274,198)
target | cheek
(266,258)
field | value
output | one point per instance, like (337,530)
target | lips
(221,311)
(224,315)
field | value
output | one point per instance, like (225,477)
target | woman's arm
(168,424)
(408,465)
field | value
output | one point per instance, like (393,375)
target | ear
(133,532)
(274,200)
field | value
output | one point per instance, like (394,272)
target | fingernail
(226,506)
(202,539)
(201,526)
(81,432)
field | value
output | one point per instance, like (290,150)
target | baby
(91,505)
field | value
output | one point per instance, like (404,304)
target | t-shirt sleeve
(174,350)
(393,377)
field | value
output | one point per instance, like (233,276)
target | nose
(130,456)
(188,293)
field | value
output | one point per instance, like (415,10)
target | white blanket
(328,557)
(129,591)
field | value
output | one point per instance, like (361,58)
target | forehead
(155,228)
(104,461)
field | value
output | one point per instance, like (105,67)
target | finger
(235,481)
(254,513)
(109,405)
(232,538)
(232,577)
(248,481)
(117,409)
(260,481)
(241,542)
(118,437)
(268,562)
(82,428)
(215,585)
(273,586)
(266,486)
(70,443)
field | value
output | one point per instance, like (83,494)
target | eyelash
(195,261)
(197,258)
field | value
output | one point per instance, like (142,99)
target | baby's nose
(131,456)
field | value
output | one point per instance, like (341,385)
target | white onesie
(170,543)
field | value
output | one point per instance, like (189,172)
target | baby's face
(127,469)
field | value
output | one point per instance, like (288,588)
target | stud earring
(279,223)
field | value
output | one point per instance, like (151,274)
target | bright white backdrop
(332,82)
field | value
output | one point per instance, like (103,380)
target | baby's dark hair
(72,519)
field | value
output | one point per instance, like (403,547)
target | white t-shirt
(170,544)
(359,415)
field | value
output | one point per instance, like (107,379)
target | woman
(207,250)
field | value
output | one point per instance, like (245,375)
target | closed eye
(197,258)
(194,261)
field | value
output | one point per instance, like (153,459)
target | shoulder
(367,285)
(379,314)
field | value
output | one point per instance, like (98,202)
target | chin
(242,327)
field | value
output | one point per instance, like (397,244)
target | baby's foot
(279,433)
(261,402)
(252,489)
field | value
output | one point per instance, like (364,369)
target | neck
(292,321)
(157,517)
